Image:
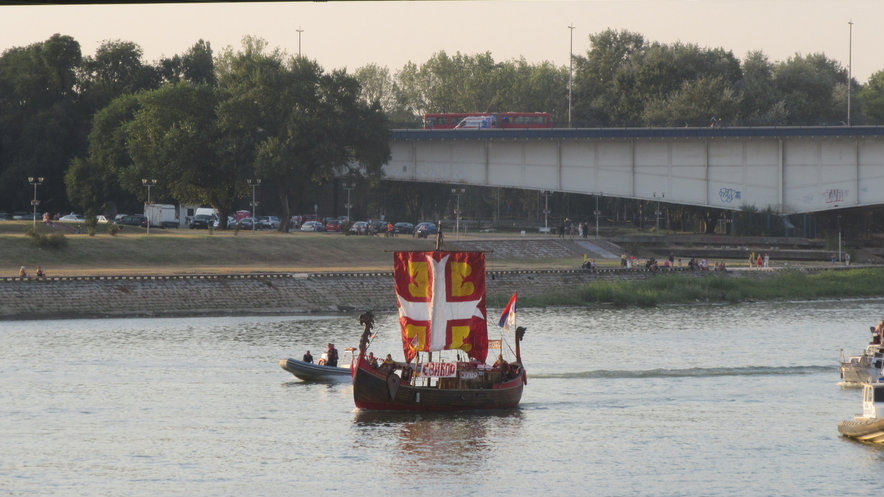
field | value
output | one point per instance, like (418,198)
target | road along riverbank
(278,293)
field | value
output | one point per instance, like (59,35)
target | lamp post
(597,212)
(457,193)
(348,187)
(148,183)
(254,183)
(570,72)
(658,212)
(546,211)
(299,30)
(849,68)
(36,182)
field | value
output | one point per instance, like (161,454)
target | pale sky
(352,34)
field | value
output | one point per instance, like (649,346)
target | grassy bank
(720,288)
(187,252)
(184,251)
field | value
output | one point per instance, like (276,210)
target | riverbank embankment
(276,293)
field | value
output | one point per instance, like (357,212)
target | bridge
(788,170)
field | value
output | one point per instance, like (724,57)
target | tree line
(202,123)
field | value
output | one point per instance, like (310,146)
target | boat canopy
(441,300)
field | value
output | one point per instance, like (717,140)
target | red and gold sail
(441,299)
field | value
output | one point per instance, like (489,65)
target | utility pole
(570,72)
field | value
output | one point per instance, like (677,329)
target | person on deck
(372,360)
(307,357)
(389,364)
(500,362)
(332,356)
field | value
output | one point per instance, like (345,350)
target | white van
(477,122)
(208,211)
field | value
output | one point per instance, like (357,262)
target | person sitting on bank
(40,272)
(331,356)
(308,357)
(372,360)
(22,273)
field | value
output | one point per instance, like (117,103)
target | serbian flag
(441,300)
(508,317)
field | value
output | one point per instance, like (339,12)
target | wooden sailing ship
(441,301)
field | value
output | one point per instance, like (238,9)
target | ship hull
(377,390)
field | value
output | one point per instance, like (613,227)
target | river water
(674,401)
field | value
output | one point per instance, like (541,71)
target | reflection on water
(453,444)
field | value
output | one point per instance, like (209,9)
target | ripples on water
(673,401)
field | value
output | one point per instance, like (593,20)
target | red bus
(503,120)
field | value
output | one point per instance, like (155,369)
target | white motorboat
(869,426)
(864,368)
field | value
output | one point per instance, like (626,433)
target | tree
(693,104)
(872,98)
(174,138)
(115,69)
(295,126)
(760,102)
(41,123)
(197,66)
(809,84)
(594,95)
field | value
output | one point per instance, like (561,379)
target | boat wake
(690,372)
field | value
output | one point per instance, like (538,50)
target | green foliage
(54,240)
(678,288)
(871,96)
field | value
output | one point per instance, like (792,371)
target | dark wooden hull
(376,390)
(862,429)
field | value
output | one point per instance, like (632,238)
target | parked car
(312,226)
(5,216)
(269,223)
(403,228)
(359,228)
(202,221)
(101,219)
(424,229)
(377,227)
(248,223)
(72,218)
(332,224)
(133,220)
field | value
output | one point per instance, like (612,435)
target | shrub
(55,240)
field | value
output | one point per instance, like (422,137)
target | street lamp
(457,192)
(849,68)
(597,212)
(148,183)
(658,212)
(546,211)
(348,187)
(36,182)
(570,72)
(299,30)
(254,184)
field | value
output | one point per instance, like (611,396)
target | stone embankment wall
(119,296)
